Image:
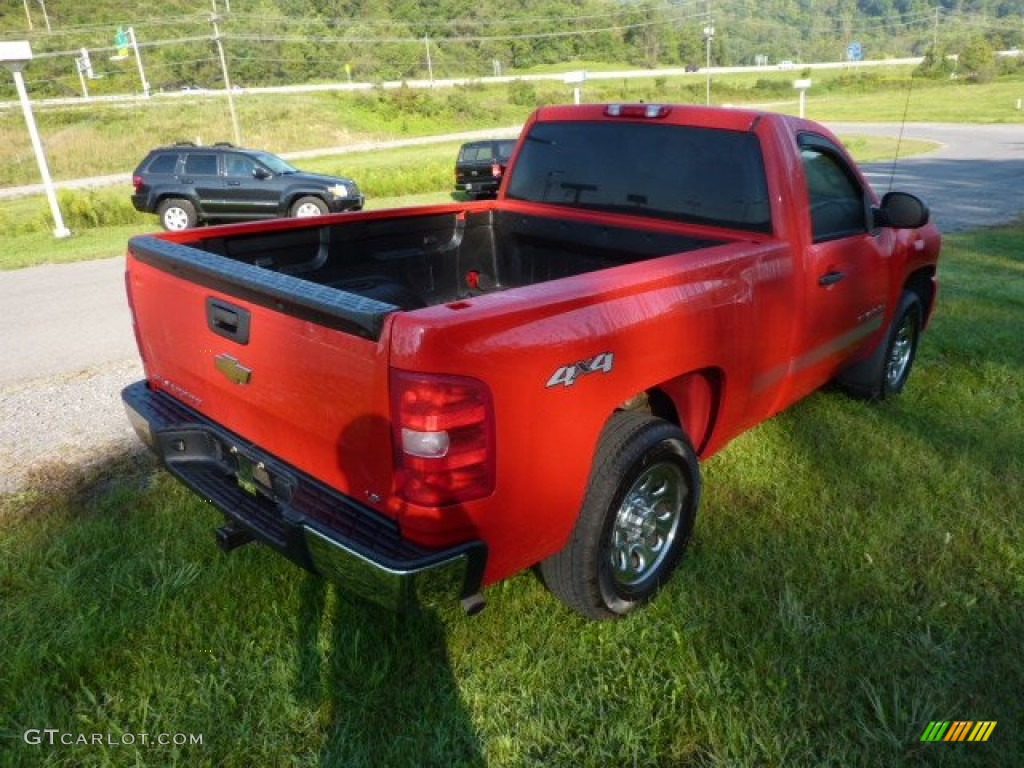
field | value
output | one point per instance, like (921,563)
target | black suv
(480,166)
(186,184)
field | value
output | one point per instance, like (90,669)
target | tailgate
(294,368)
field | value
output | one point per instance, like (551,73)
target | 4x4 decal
(567,374)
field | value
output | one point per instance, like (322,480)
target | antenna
(899,139)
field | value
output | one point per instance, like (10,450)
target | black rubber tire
(304,205)
(177,214)
(901,346)
(588,573)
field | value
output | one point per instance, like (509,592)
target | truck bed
(411,262)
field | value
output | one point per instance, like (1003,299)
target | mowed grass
(857,572)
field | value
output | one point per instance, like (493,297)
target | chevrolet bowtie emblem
(234,370)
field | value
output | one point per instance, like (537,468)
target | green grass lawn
(857,572)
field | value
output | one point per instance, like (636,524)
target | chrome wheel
(646,523)
(901,353)
(636,520)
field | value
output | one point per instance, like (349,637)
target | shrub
(91,209)
(522,93)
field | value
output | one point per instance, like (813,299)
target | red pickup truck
(482,387)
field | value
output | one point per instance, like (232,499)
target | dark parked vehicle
(186,184)
(480,166)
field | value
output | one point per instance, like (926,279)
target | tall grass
(99,139)
(92,139)
(857,572)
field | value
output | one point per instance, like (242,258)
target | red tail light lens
(443,433)
(137,182)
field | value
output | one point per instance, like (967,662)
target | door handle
(831,278)
(234,183)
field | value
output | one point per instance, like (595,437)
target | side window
(164,163)
(201,164)
(238,165)
(836,199)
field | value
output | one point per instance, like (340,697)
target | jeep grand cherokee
(186,184)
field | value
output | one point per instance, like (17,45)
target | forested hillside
(292,41)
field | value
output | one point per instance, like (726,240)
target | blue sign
(854,52)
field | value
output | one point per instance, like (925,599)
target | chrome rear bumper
(305,520)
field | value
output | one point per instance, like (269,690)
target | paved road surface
(975,179)
(66,346)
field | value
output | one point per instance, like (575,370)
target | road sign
(854,52)
(121,41)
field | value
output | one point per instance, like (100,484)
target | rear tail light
(496,170)
(443,433)
(137,182)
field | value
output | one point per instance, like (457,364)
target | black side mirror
(260,173)
(901,210)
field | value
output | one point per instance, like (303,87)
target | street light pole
(14,56)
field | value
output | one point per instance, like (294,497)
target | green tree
(977,60)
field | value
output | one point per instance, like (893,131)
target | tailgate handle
(227,320)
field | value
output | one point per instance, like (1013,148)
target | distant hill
(288,41)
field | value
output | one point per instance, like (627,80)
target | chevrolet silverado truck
(437,398)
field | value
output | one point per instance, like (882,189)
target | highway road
(66,345)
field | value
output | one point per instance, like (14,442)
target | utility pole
(709,35)
(227,80)
(430,66)
(46,16)
(84,67)
(138,60)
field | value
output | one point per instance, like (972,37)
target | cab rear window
(683,173)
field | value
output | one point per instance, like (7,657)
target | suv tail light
(443,433)
(137,182)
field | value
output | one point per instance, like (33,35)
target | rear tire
(308,206)
(177,214)
(636,521)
